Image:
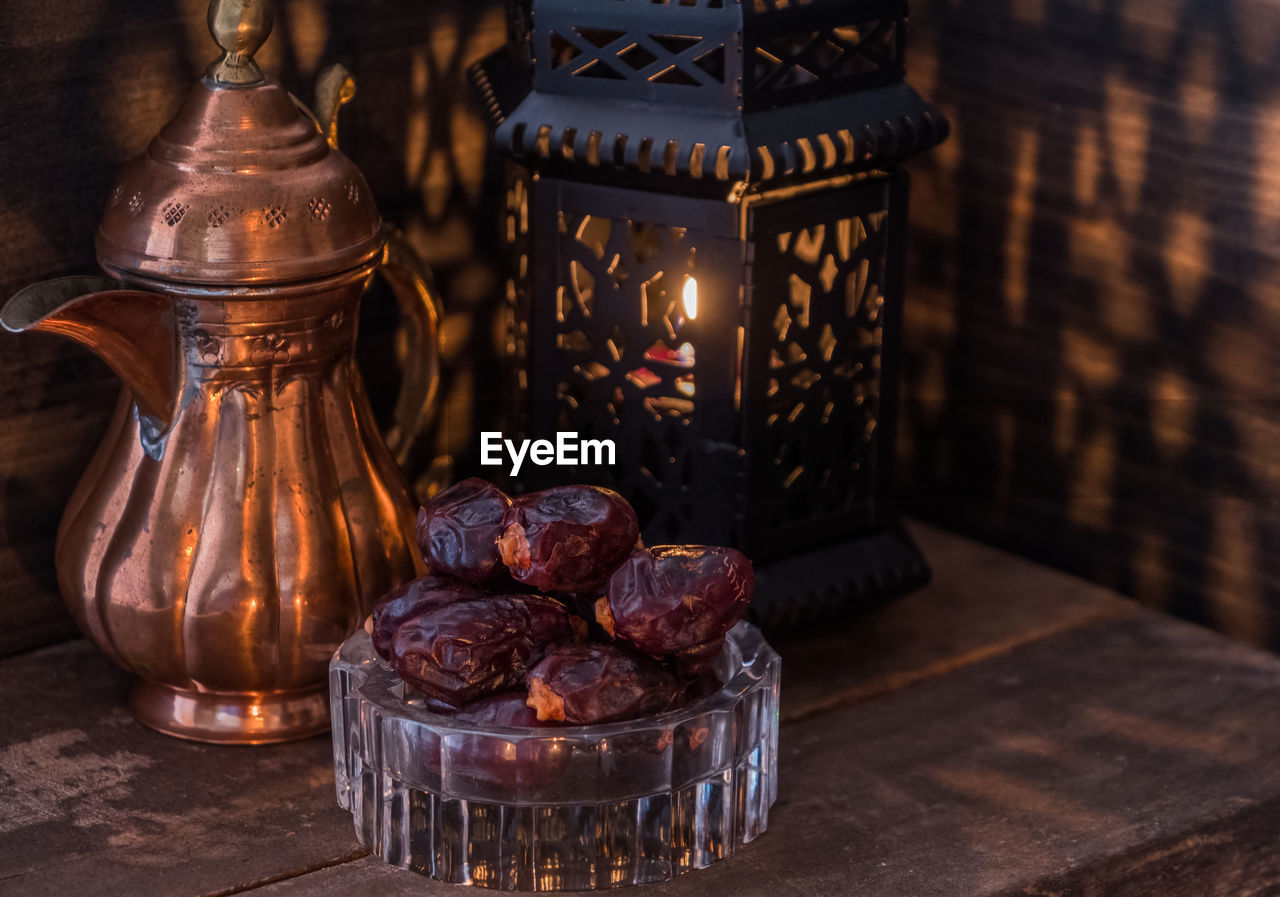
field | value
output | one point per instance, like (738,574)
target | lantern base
(839,580)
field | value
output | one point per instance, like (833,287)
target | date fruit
(471,649)
(490,760)
(567,540)
(677,600)
(547,621)
(412,599)
(594,683)
(458,531)
(696,659)
(510,708)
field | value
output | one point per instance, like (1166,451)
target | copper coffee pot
(243,513)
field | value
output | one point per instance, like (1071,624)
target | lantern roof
(740,90)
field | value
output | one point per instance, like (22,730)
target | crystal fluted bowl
(568,808)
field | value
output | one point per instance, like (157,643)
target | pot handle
(410,280)
(420,310)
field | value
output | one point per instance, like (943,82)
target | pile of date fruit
(542,610)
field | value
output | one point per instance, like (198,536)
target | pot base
(231,717)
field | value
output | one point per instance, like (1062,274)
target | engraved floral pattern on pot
(269,347)
(208,346)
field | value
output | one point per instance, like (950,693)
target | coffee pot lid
(241,187)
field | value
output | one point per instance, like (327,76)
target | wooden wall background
(1094,305)
(1093,318)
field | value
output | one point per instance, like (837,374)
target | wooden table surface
(1008,731)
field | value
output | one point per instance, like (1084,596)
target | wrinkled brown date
(696,659)
(567,540)
(677,600)
(470,649)
(547,621)
(594,683)
(412,599)
(493,761)
(458,531)
(460,646)
(698,686)
(510,708)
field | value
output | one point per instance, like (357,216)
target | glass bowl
(571,808)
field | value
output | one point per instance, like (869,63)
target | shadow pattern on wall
(1093,321)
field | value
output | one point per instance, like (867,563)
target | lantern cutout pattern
(706,233)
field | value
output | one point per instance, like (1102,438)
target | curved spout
(133,331)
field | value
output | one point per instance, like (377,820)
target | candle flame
(691,298)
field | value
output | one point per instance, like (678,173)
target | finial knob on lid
(240,187)
(240,27)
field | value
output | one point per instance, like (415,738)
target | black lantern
(707,240)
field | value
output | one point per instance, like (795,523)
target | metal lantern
(707,234)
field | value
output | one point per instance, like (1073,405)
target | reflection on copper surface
(243,513)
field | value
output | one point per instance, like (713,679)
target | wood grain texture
(1092,373)
(1129,757)
(997,751)
(95,804)
(981,602)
